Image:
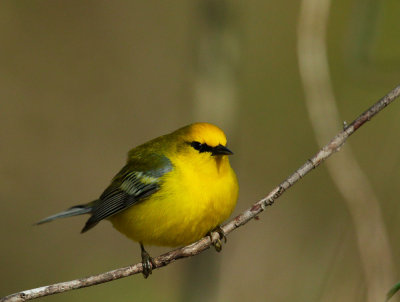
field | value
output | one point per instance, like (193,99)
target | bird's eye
(201,147)
(196,145)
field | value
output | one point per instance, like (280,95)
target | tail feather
(74,211)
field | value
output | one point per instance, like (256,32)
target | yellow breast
(196,196)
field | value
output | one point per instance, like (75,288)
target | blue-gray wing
(133,184)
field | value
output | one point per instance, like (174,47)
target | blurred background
(82,82)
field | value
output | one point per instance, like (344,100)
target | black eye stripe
(201,147)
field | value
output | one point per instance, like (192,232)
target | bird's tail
(73,211)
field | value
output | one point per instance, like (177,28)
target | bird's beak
(221,150)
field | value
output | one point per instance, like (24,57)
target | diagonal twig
(203,244)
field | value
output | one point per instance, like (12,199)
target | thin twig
(203,244)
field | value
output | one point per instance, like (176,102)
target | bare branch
(203,244)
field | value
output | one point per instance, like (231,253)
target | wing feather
(133,184)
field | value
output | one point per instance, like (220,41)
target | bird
(173,190)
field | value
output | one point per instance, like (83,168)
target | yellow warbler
(172,191)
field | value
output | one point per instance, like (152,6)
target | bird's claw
(217,242)
(147,263)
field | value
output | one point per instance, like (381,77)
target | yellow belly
(192,201)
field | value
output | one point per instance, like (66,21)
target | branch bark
(333,146)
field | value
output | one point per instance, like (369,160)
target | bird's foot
(217,242)
(147,262)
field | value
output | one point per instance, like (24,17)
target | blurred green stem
(214,101)
(362,202)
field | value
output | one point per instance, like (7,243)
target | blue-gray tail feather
(74,211)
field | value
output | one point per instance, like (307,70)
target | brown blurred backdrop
(82,82)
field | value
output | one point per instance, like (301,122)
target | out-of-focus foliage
(393,291)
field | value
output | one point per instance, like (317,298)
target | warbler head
(205,138)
